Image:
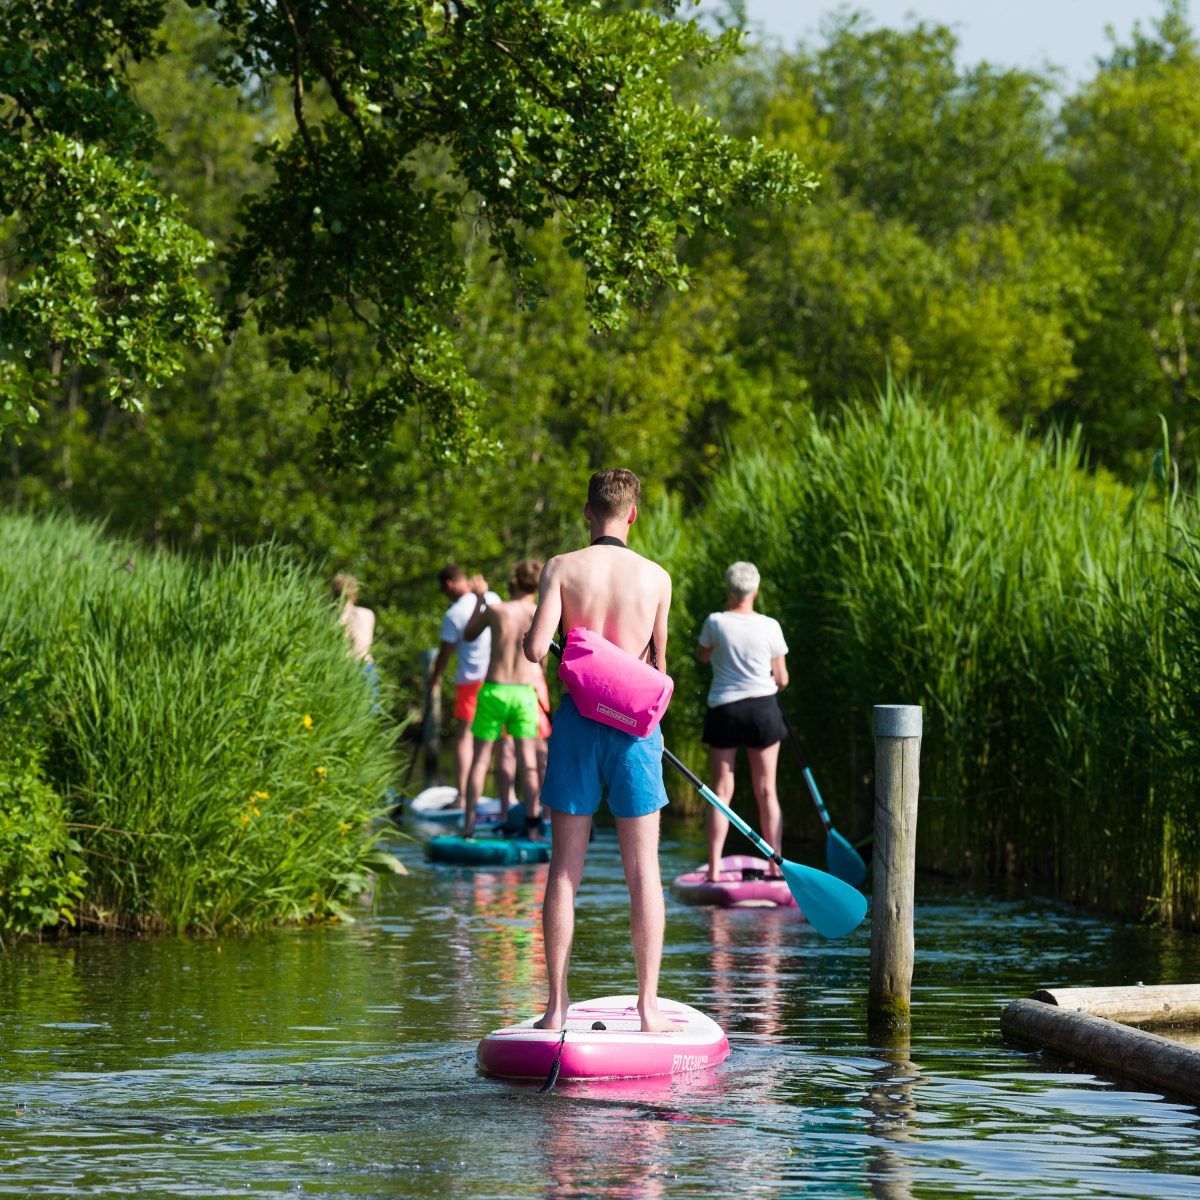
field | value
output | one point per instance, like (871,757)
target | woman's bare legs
(721,763)
(762,775)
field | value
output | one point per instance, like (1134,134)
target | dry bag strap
(606,540)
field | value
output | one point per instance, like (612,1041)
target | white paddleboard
(430,805)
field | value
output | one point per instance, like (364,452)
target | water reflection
(341,1061)
(746,966)
(612,1153)
(891,1101)
(498,937)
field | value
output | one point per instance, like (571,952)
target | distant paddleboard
(603,1040)
(488,849)
(743,884)
(430,805)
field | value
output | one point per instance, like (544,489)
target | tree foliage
(1135,164)
(407,115)
(98,265)
(1013,255)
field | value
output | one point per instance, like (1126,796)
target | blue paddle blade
(843,860)
(832,907)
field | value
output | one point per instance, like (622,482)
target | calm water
(340,1061)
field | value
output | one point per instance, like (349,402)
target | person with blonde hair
(358,622)
(749,660)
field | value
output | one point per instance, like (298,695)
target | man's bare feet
(653,1021)
(551,1020)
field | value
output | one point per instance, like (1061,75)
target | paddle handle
(723,809)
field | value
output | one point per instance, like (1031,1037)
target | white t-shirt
(743,645)
(473,657)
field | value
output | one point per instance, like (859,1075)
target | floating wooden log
(1102,1042)
(1157,1007)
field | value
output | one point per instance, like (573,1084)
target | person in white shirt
(749,661)
(471,670)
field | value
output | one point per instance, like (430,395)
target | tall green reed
(219,753)
(1040,615)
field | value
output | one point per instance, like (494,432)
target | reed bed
(1047,622)
(219,755)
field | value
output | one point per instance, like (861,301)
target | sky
(1008,33)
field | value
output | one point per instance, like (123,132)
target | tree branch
(298,89)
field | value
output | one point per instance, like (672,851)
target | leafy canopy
(412,124)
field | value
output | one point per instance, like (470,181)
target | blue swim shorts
(585,756)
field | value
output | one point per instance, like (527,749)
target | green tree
(936,247)
(407,116)
(1135,163)
(97,264)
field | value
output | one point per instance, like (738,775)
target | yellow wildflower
(308,722)
(344,828)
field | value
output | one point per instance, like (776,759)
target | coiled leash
(552,1078)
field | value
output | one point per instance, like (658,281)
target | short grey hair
(741,580)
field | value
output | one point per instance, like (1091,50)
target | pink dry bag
(613,687)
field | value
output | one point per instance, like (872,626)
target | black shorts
(755,723)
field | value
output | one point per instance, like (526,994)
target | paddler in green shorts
(507,700)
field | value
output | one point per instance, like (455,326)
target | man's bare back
(508,622)
(610,590)
(359,624)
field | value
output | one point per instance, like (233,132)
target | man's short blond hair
(613,492)
(345,585)
(526,576)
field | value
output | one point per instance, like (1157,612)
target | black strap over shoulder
(606,540)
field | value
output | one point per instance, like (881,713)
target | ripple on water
(340,1061)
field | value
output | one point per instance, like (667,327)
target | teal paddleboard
(487,851)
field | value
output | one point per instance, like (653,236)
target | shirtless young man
(614,592)
(508,698)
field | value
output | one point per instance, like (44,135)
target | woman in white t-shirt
(748,656)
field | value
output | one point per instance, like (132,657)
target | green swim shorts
(505,708)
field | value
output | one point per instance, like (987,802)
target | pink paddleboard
(604,1041)
(743,884)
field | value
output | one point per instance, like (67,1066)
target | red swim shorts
(466,695)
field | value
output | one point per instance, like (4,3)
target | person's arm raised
(547,616)
(478,620)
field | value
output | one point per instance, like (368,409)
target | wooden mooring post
(431,724)
(894,861)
